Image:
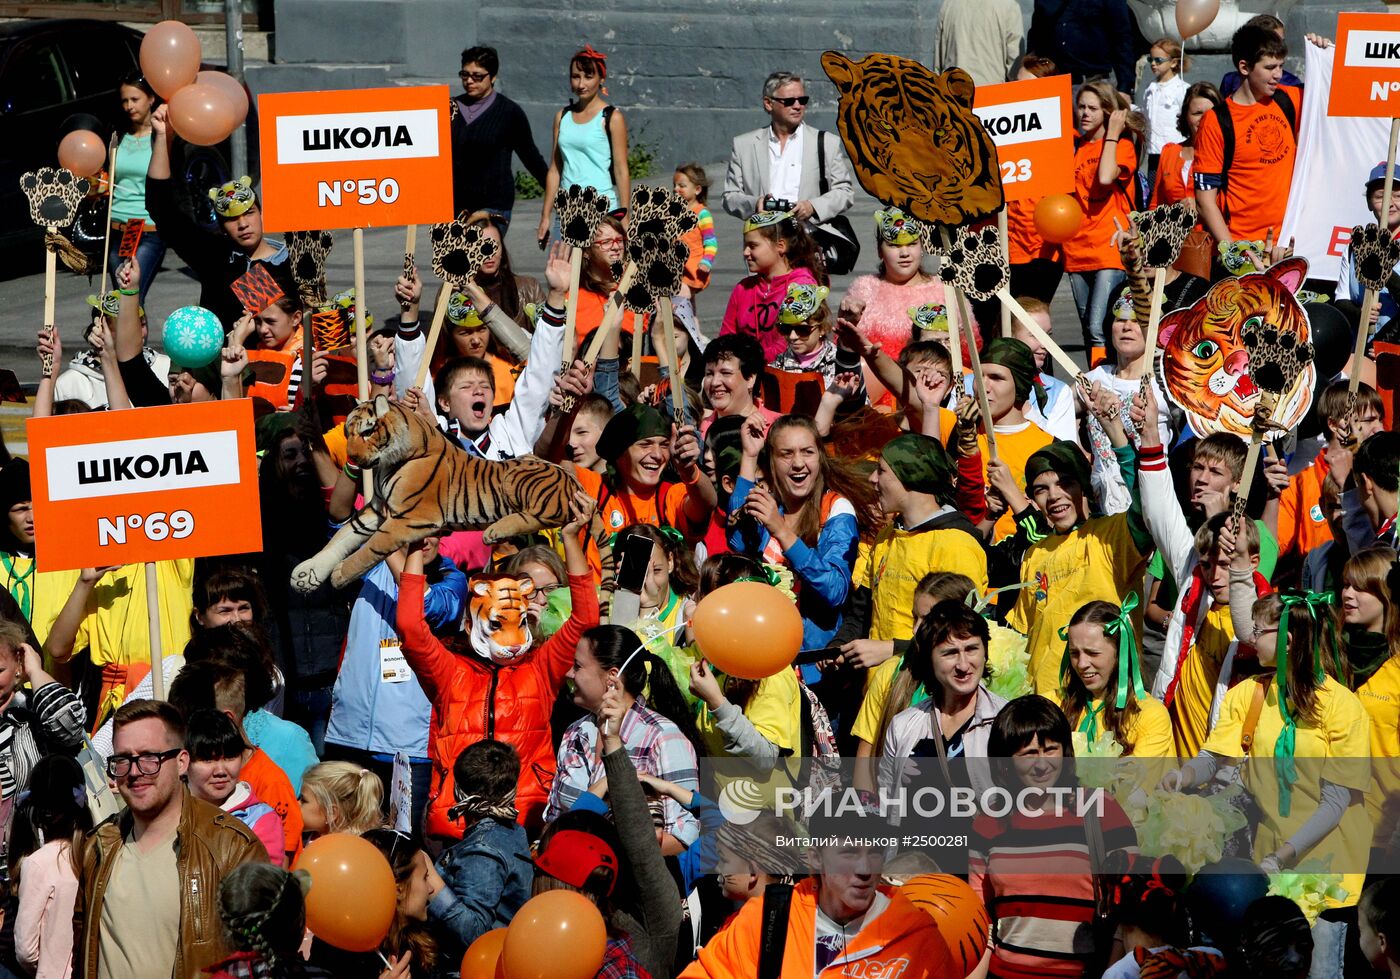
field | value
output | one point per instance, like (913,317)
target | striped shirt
(32,725)
(1033,873)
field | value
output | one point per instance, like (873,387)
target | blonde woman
(340,797)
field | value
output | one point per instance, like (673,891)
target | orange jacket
(901,943)
(1302,526)
(474,699)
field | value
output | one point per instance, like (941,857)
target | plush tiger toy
(423,485)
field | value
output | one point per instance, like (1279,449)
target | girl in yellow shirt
(1312,811)
(1102,679)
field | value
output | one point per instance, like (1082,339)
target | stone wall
(687,74)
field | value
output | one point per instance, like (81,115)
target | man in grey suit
(781,160)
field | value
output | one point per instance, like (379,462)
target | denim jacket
(488,876)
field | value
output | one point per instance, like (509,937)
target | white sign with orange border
(356,159)
(145,484)
(1032,123)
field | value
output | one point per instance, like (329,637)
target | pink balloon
(201,114)
(232,89)
(82,152)
(170,56)
(1194,16)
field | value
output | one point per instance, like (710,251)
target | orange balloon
(170,56)
(233,90)
(353,896)
(1194,16)
(555,935)
(958,912)
(1058,217)
(748,629)
(483,958)
(201,114)
(82,152)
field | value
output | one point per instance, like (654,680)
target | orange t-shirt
(591,306)
(1173,182)
(504,373)
(1261,173)
(623,509)
(1023,241)
(271,785)
(1092,248)
(1302,525)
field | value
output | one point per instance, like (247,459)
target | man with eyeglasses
(147,902)
(781,160)
(487,128)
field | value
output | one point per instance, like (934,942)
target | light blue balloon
(193,336)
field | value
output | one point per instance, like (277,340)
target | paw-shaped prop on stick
(659,212)
(1163,231)
(660,271)
(1276,357)
(1375,254)
(977,265)
(579,210)
(308,251)
(54,196)
(460,251)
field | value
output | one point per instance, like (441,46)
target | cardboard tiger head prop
(913,139)
(1246,335)
(499,612)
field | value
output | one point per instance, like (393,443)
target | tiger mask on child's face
(498,609)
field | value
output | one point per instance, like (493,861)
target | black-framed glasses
(791,100)
(148,763)
(473,76)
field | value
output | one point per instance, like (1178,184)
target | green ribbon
(670,534)
(1129,669)
(1090,725)
(19,585)
(1285,766)
(769,576)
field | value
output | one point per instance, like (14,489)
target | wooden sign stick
(112,148)
(988,428)
(1004,233)
(361,343)
(50,287)
(1267,402)
(571,306)
(1046,341)
(638,328)
(153,624)
(439,315)
(954,348)
(612,315)
(1154,320)
(673,364)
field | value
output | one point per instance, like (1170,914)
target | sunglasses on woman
(800,329)
(791,100)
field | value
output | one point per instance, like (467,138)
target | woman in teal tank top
(129,182)
(590,140)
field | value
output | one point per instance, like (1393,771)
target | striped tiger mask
(500,624)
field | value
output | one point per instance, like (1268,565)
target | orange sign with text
(145,484)
(1366,66)
(1032,123)
(356,159)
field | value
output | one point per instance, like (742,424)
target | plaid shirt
(619,962)
(655,745)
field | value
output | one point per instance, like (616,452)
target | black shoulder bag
(836,238)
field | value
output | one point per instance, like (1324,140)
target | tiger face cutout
(913,139)
(500,623)
(1246,334)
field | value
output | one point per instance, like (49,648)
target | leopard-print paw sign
(660,266)
(307,251)
(1374,254)
(659,212)
(1276,357)
(977,265)
(459,251)
(1163,230)
(579,210)
(54,195)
